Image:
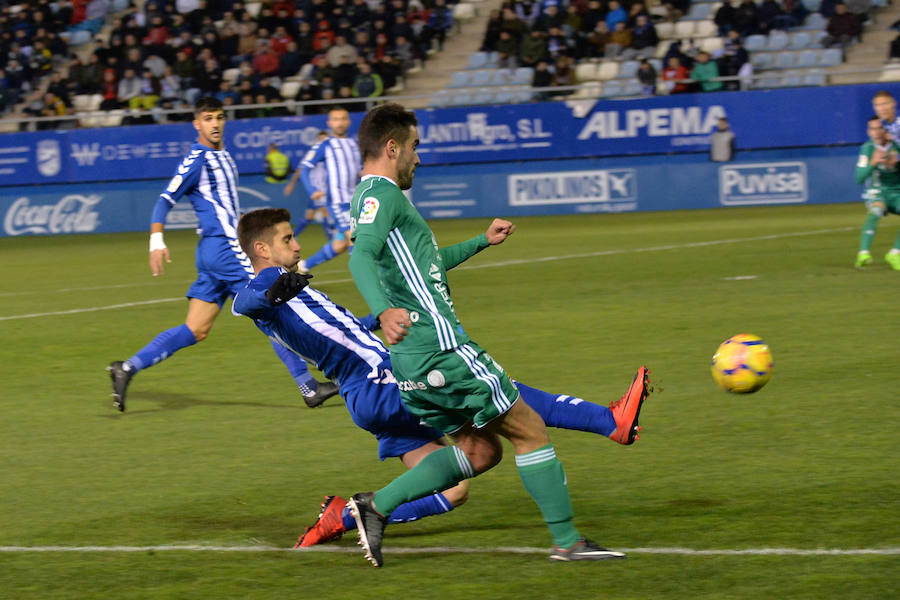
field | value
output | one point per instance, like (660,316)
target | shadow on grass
(136,404)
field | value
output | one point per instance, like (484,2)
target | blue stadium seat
(480,78)
(459,79)
(657,64)
(812,5)
(800,40)
(505,95)
(460,98)
(791,79)
(478,60)
(777,40)
(493,60)
(814,77)
(807,58)
(501,77)
(817,39)
(815,21)
(440,99)
(767,81)
(523,76)
(628,69)
(523,93)
(633,87)
(483,97)
(613,87)
(831,57)
(699,12)
(784,60)
(762,60)
(755,42)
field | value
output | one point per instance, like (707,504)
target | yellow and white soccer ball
(742,364)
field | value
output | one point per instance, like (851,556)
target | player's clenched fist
(286,287)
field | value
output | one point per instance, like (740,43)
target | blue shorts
(222,270)
(378,409)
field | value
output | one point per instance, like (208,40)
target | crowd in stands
(166,54)
(553,36)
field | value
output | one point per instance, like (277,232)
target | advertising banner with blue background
(574,129)
(621,184)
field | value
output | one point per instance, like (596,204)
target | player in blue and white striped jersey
(316,209)
(343,162)
(885,106)
(208,178)
(307,322)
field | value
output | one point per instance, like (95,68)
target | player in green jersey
(444,377)
(877,165)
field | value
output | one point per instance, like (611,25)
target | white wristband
(156,241)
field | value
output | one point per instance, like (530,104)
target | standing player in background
(445,378)
(885,107)
(340,155)
(316,211)
(208,177)
(311,325)
(877,165)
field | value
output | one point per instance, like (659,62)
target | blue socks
(162,347)
(435,504)
(298,369)
(568,412)
(301,225)
(325,253)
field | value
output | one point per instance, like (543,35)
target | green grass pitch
(217,449)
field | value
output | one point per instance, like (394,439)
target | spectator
(185,68)
(644,37)
(549,18)
(595,46)
(673,74)
(572,21)
(725,18)
(110,90)
(59,88)
(279,41)
(734,56)
(746,18)
(745,75)
(492,32)
(507,50)
(440,22)
(170,89)
(404,54)
(637,9)
(769,13)
(150,91)
(267,90)
(592,15)
(559,43)
(513,25)
(721,143)
(129,89)
(527,11)
(542,78)
(323,35)
(646,75)
(155,65)
(706,73)
(675,50)
(265,62)
(843,28)
(367,84)
(563,74)
(389,71)
(533,48)
(246,45)
(619,40)
(226,91)
(341,52)
(291,61)
(616,14)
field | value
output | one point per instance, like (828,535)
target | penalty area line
(674,551)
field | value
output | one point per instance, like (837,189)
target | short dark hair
(206,104)
(382,123)
(257,225)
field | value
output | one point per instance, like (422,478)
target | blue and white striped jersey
(322,332)
(343,164)
(209,179)
(893,128)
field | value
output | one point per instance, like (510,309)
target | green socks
(543,477)
(436,472)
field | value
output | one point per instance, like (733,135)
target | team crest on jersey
(369,210)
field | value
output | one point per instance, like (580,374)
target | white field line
(459,550)
(492,265)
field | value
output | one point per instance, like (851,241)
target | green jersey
(879,176)
(396,263)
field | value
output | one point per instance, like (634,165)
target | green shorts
(449,389)
(890,198)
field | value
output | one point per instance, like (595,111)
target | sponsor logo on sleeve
(368,210)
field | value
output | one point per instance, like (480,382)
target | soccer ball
(742,364)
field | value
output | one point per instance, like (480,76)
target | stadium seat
(80,37)
(608,69)
(523,76)
(712,45)
(699,11)
(815,21)
(777,40)
(890,73)
(591,89)
(665,30)
(706,29)
(253,8)
(818,38)
(815,77)
(628,69)
(791,78)
(81,102)
(784,60)
(9,126)
(440,99)
(289,89)
(807,58)
(613,88)
(662,48)
(767,81)
(657,64)
(493,60)
(460,98)
(501,76)
(684,29)
(92,119)
(480,78)
(523,93)
(231,75)
(459,79)
(113,118)
(633,87)
(800,40)
(505,95)
(463,12)
(485,96)
(478,60)
(95,102)
(812,6)
(755,42)
(831,57)
(762,60)
(586,71)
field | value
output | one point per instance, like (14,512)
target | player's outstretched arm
(159,252)
(499,230)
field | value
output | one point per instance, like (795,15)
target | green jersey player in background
(445,378)
(877,168)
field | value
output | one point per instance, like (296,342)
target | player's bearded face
(210,128)
(284,248)
(407,162)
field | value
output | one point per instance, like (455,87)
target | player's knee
(200,334)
